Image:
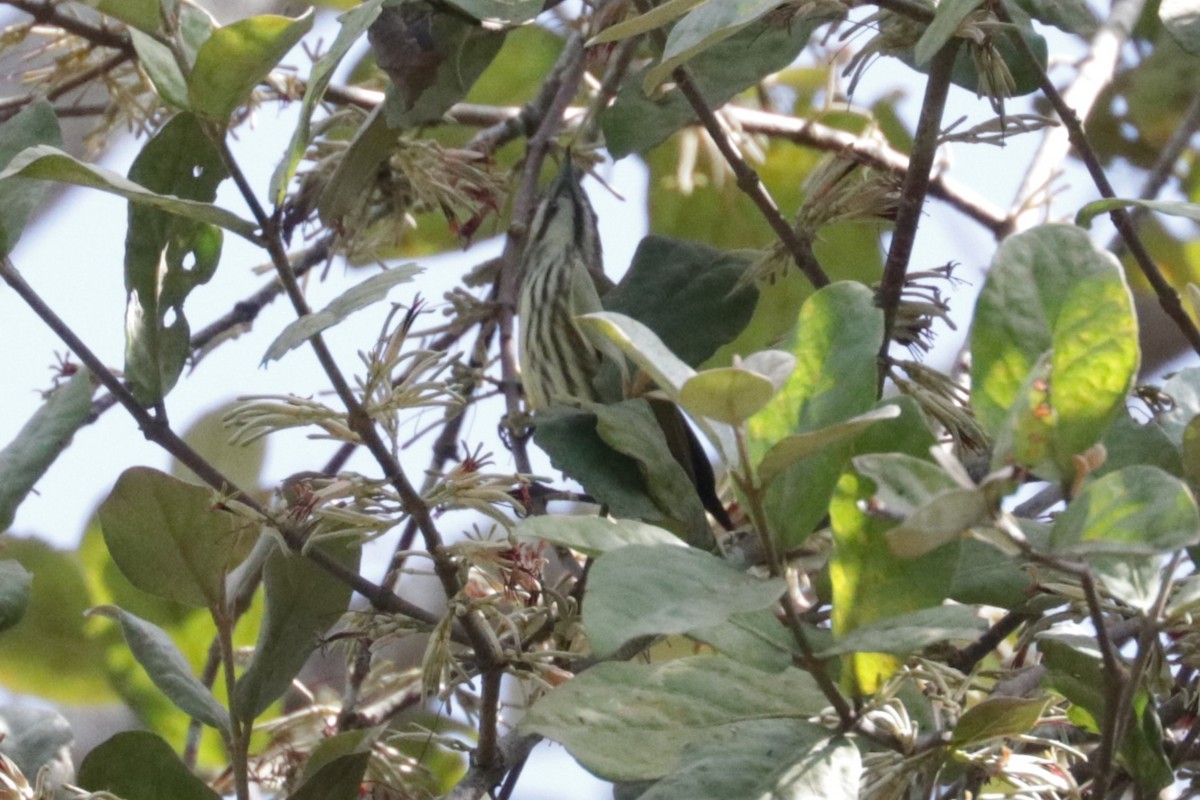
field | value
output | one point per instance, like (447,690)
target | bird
(561,362)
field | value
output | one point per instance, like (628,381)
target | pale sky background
(73,257)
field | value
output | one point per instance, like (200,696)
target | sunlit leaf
(870,584)
(727,394)
(1139,510)
(1052,297)
(236,57)
(834,381)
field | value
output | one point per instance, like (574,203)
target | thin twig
(1163,167)
(168,440)
(965,659)
(1095,73)
(51,14)
(912,193)
(1167,296)
(1114,683)
(10,107)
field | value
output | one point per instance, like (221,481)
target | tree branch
(1167,296)
(912,193)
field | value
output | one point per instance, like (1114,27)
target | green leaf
(1026,78)
(500,12)
(626,722)
(1129,442)
(48,653)
(353,178)
(353,24)
(767,758)
(941,520)
(33,125)
(1051,295)
(1183,389)
(998,718)
(653,19)
(139,765)
(569,437)
(167,667)
(986,576)
(1181,18)
(432,56)
(356,298)
(757,639)
(911,632)
(701,29)
(869,583)
(946,19)
(632,428)
(140,15)
(168,539)
(644,590)
(47,433)
(303,601)
(160,66)
(702,283)
(1071,16)
(237,57)
(36,738)
(48,163)
(642,346)
(591,536)
(727,394)
(1137,511)
(634,122)
(791,449)
(15,582)
(836,344)
(340,779)
(167,256)
(1171,208)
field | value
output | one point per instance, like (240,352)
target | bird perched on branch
(561,362)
